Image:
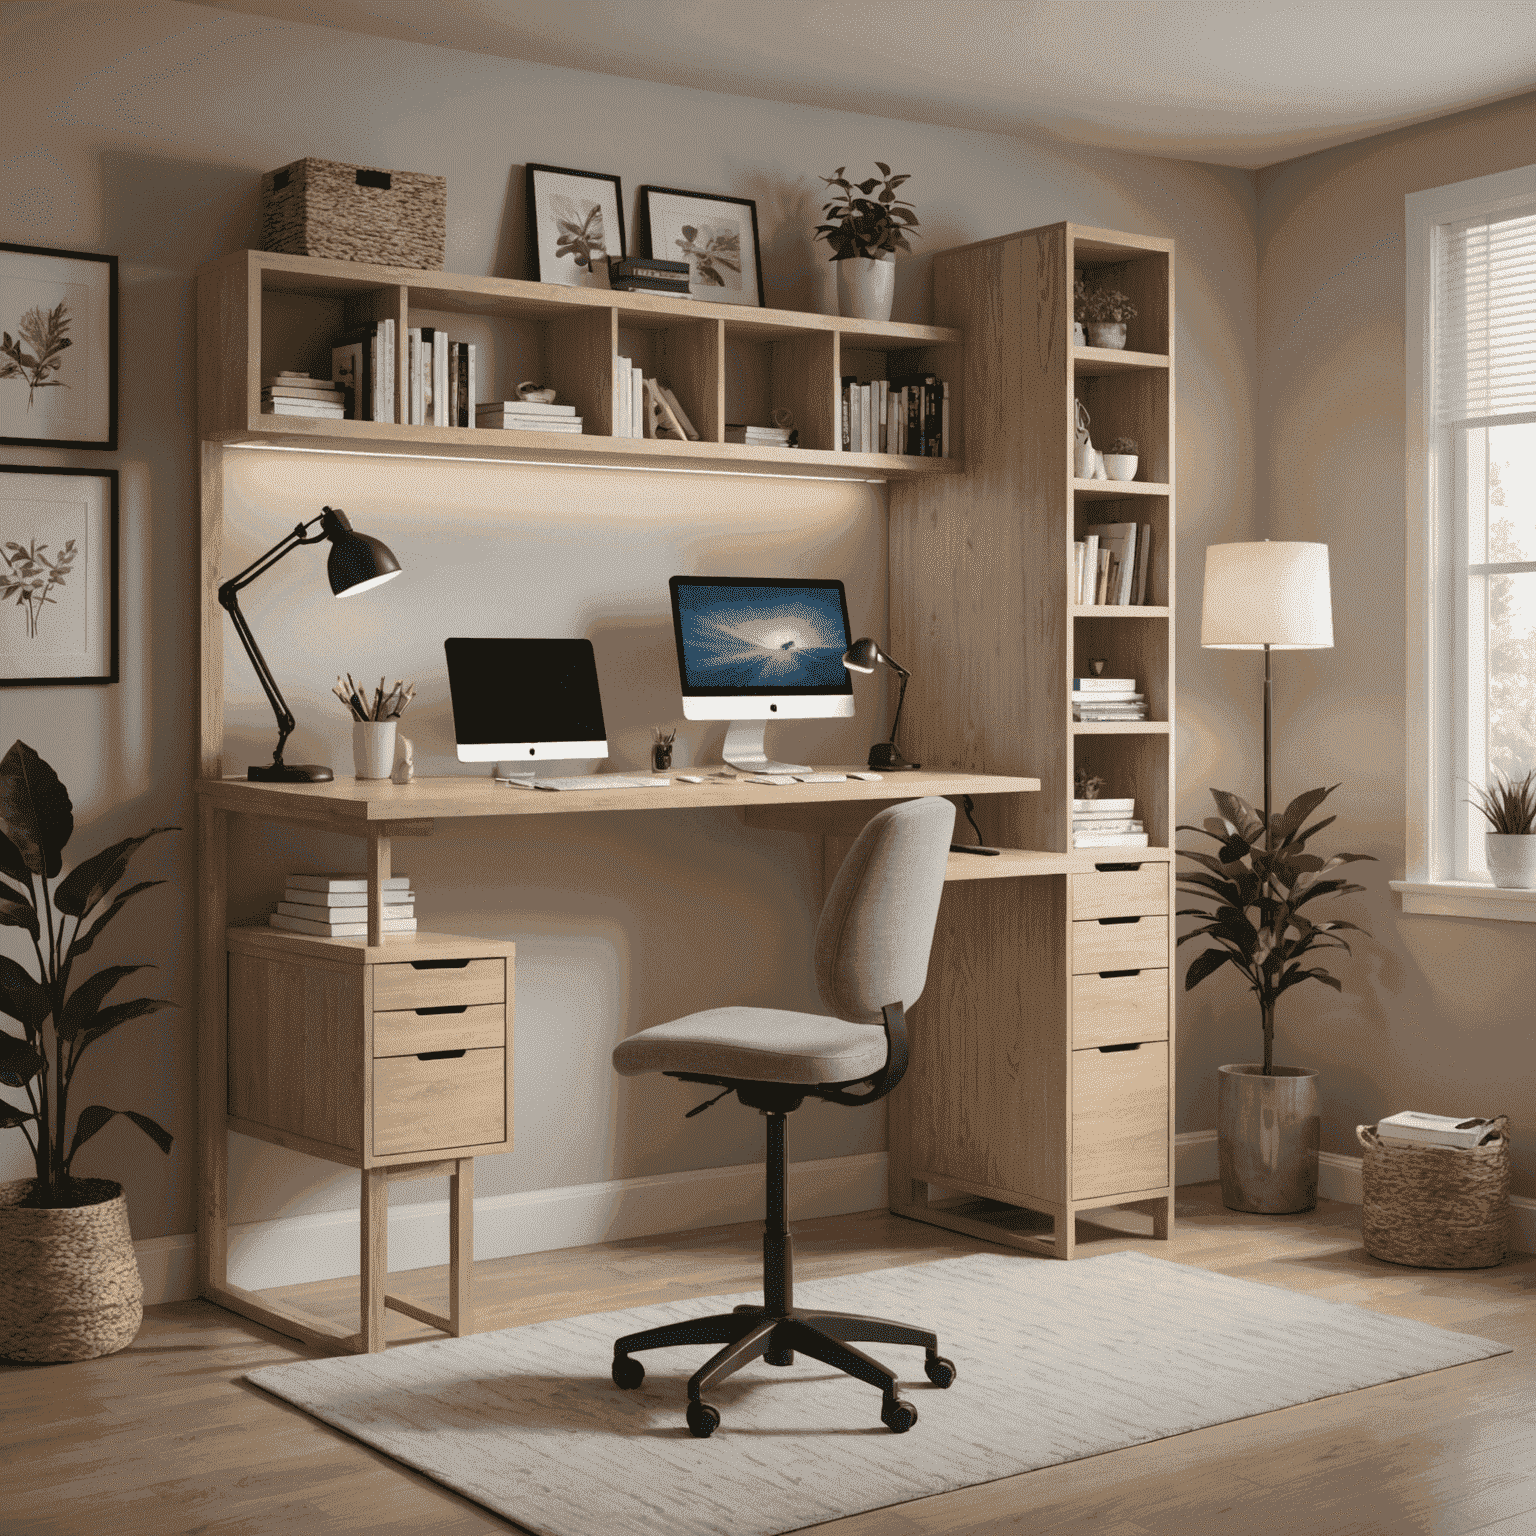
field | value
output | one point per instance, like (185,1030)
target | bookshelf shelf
(1119,727)
(1117,490)
(1091,362)
(1119,611)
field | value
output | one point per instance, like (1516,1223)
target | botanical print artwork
(715,234)
(713,253)
(42,577)
(30,575)
(47,335)
(578,229)
(575,224)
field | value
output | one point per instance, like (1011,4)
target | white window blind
(1485,317)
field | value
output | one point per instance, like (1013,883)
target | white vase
(1106,333)
(373,748)
(865,287)
(1121,466)
(1512,860)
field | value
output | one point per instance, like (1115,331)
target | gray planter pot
(1267,1132)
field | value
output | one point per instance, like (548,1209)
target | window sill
(1466,898)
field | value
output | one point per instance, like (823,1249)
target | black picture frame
(32,279)
(666,211)
(556,251)
(21,618)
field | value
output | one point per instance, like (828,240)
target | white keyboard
(602,781)
(822,778)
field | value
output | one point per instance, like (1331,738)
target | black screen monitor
(525,699)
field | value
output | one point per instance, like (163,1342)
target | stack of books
(628,399)
(363,364)
(648,274)
(1110,565)
(336,906)
(296,394)
(527,416)
(1436,1130)
(442,375)
(1106,824)
(1107,698)
(759,437)
(908,415)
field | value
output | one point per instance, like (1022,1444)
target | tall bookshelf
(1043,1086)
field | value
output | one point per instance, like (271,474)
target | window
(1471,528)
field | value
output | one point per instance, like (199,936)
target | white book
(1436,1130)
(1102,684)
(1120,540)
(303,408)
(882,409)
(867,416)
(308,882)
(338,930)
(470,387)
(636,402)
(1109,840)
(441,350)
(531,423)
(688,427)
(622,374)
(1106,806)
(393,911)
(327,899)
(1090,569)
(525,407)
(1126,824)
(391,371)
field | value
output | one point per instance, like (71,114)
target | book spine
(636,402)
(1090,570)
(944,425)
(441,347)
(471,387)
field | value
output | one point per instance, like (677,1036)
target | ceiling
(1229,82)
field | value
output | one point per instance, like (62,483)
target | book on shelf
(1436,1130)
(762,437)
(358,930)
(1143,563)
(303,408)
(646,269)
(363,362)
(393,911)
(524,408)
(300,386)
(329,900)
(1106,824)
(1120,540)
(1103,807)
(623,383)
(516,422)
(636,402)
(667,394)
(1087,569)
(1109,840)
(1103,684)
(1107,714)
(342,883)
(415,395)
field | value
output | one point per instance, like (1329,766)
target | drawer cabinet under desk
(395,1060)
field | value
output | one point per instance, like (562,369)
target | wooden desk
(368,1096)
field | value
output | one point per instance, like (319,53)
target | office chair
(872,945)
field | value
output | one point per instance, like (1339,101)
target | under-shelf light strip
(645,469)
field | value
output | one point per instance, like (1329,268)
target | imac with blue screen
(751,649)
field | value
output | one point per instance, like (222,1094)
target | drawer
(1113,1009)
(1121,892)
(1138,944)
(436,983)
(446,1027)
(1119,1120)
(453,1101)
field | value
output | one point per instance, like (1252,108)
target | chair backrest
(876,927)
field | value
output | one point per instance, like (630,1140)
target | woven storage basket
(1436,1207)
(69,1281)
(322,208)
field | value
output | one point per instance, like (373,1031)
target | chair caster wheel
(628,1373)
(703,1420)
(898,1416)
(939,1371)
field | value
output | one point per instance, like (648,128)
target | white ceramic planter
(1512,860)
(865,288)
(1106,333)
(373,748)
(1121,466)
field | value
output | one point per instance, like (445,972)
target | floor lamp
(1266,597)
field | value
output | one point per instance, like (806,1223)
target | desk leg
(378,873)
(461,1247)
(373,1269)
(212,1051)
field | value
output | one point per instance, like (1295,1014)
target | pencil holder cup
(373,748)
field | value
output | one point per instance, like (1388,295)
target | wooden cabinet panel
(1119,1120)
(1119,946)
(1111,1010)
(1120,892)
(408,1032)
(417,986)
(455,1101)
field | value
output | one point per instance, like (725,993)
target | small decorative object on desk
(661,748)
(1103,311)
(1436,1207)
(865,232)
(373,728)
(323,208)
(336,906)
(1509,805)
(405,761)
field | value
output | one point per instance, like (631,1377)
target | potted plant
(69,1281)
(1104,312)
(1121,459)
(1510,808)
(868,225)
(1255,888)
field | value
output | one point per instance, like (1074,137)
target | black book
(648,267)
(920,410)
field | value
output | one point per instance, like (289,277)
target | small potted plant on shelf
(1258,891)
(1104,312)
(1510,808)
(868,225)
(1121,459)
(69,1281)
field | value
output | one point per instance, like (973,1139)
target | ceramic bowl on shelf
(1106,333)
(1121,466)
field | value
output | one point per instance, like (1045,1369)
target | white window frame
(1435,579)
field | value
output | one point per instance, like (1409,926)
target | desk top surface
(351,802)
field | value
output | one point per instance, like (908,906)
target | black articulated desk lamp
(356,563)
(863,656)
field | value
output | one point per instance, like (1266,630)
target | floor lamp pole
(1269,708)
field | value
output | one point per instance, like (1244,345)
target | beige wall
(1436,1012)
(142,130)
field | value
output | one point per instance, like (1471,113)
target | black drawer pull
(1105,922)
(1103,976)
(1112,869)
(1106,1050)
(380,179)
(439,1055)
(438,965)
(445,1008)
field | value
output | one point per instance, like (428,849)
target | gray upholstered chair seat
(769,1045)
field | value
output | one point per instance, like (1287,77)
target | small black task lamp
(356,563)
(862,656)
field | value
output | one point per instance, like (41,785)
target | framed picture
(716,236)
(58,348)
(58,576)
(575,222)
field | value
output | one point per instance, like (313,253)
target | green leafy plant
(865,225)
(1254,889)
(1509,804)
(1100,304)
(44,331)
(63,915)
(29,576)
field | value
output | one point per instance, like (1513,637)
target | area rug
(1056,1362)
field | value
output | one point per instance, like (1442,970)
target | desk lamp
(356,563)
(1266,596)
(862,656)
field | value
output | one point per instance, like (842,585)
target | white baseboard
(295,1249)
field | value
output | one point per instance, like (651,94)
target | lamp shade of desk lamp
(356,563)
(1267,596)
(864,656)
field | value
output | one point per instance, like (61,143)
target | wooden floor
(165,1438)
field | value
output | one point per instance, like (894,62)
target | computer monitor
(523,700)
(751,649)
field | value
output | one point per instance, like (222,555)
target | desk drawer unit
(1119,1119)
(428,984)
(1119,1008)
(1119,944)
(429,1103)
(445,1027)
(1120,891)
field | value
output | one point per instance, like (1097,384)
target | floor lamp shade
(1266,594)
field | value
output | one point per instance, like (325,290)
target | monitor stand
(744,749)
